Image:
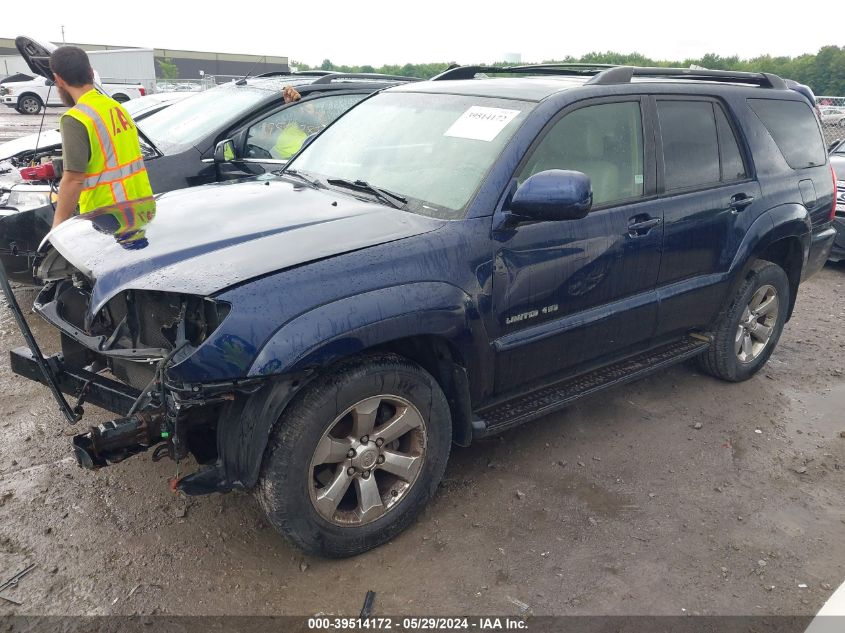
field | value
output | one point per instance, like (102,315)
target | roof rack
(607,74)
(469,72)
(624,74)
(279,73)
(329,77)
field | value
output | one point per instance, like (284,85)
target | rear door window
(794,129)
(732,166)
(690,144)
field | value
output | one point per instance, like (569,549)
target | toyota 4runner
(447,260)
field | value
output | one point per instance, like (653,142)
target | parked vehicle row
(447,260)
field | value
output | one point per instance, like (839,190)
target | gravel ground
(675,495)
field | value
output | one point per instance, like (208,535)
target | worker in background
(291,136)
(101,154)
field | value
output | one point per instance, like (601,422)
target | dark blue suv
(449,259)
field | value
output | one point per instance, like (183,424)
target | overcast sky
(378,32)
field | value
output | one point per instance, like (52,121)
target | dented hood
(204,239)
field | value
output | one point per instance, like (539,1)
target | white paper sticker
(638,179)
(481,124)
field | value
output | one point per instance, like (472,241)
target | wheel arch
(433,324)
(781,236)
(30,94)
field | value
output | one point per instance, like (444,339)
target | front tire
(356,456)
(29,104)
(748,332)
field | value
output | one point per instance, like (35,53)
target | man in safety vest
(101,155)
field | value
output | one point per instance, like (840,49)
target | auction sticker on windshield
(481,123)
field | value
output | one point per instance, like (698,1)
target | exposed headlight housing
(29,198)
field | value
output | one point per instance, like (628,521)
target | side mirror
(224,151)
(556,194)
(833,145)
(50,82)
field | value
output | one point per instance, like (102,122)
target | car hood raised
(49,139)
(36,55)
(205,239)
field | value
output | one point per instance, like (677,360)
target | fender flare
(784,221)
(348,326)
(292,357)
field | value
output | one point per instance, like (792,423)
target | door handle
(639,227)
(740,201)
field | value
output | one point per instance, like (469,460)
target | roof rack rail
(285,73)
(624,74)
(328,78)
(607,74)
(469,72)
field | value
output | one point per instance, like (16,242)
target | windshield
(184,124)
(432,149)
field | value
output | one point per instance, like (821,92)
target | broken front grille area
(134,327)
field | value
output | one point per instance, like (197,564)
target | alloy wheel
(757,324)
(29,105)
(367,460)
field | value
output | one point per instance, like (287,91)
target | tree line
(824,71)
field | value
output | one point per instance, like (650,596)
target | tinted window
(280,135)
(793,127)
(732,166)
(603,141)
(690,146)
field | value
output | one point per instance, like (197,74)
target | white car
(29,97)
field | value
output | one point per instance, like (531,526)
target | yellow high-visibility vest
(289,141)
(115,171)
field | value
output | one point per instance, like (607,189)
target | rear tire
(339,477)
(747,334)
(30,104)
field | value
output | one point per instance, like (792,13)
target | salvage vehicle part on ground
(438,265)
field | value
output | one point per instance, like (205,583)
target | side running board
(555,397)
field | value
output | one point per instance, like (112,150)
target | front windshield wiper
(393,199)
(298,174)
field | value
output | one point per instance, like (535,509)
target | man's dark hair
(72,64)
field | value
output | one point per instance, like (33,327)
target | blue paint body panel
(313,276)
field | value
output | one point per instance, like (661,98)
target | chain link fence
(832,116)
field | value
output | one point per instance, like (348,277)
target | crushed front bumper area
(107,443)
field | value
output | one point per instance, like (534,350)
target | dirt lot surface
(674,495)
(619,505)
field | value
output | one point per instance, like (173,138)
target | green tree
(167,69)
(327,65)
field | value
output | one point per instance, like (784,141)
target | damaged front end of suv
(134,337)
(159,322)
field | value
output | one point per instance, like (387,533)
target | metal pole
(46,371)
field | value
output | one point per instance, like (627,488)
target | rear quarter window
(792,125)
